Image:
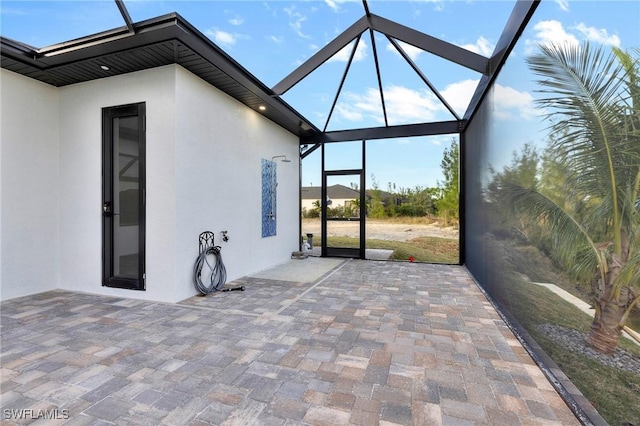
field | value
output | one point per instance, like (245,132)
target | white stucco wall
(81,179)
(219,147)
(203,152)
(29,248)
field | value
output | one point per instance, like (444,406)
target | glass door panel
(124,197)
(126,190)
(342,219)
(343,216)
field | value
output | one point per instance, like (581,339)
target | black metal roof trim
(423,77)
(371,133)
(17,45)
(156,42)
(342,80)
(321,56)
(125,15)
(441,48)
(518,20)
(389,28)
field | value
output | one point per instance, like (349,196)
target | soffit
(161,41)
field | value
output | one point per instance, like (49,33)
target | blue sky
(271,38)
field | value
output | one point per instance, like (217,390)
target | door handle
(106,210)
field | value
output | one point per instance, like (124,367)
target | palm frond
(572,240)
(584,94)
(630,61)
(635,302)
(629,275)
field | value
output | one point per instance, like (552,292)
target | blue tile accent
(269,187)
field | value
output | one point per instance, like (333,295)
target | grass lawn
(423,249)
(614,393)
(529,261)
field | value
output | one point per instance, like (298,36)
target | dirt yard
(380,229)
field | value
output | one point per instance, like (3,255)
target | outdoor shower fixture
(270,184)
(269,193)
(284,158)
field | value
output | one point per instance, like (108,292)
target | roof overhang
(165,40)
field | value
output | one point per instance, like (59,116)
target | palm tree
(591,98)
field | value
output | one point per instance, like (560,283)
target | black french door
(123,195)
(354,217)
(352,223)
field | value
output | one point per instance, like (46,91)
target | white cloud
(345,52)
(236,21)
(438,5)
(563,4)
(348,113)
(403,106)
(411,51)
(458,95)
(10,11)
(296,21)
(332,4)
(599,35)
(549,33)
(510,103)
(440,140)
(335,4)
(507,101)
(482,46)
(406,105)
(222,37)
(276,39)
(553,32)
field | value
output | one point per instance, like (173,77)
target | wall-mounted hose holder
(217,275)
(206,241)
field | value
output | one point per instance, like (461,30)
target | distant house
(339,195)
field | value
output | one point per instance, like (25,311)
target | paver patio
(365,343)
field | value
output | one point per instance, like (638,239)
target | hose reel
(210,255)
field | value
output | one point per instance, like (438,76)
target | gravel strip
(576,341)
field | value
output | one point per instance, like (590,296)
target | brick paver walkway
(368,343)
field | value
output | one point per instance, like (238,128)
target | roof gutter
(83,42)
(32,54)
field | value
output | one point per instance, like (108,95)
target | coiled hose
(218,272)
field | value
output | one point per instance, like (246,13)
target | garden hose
(218,272)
